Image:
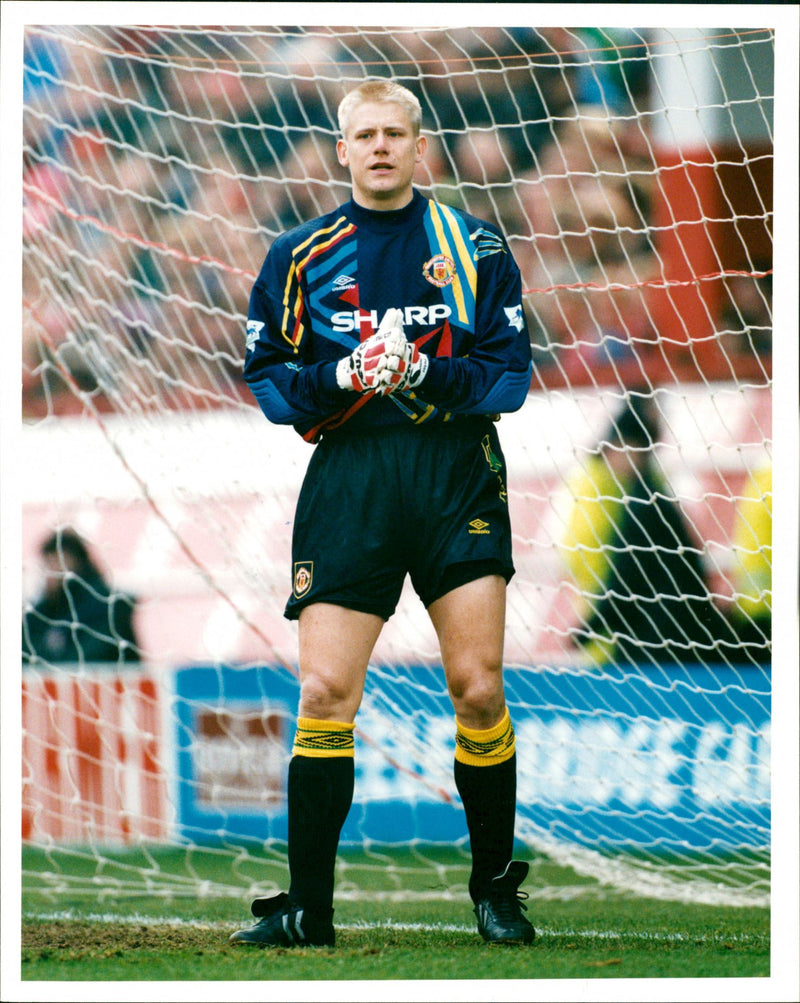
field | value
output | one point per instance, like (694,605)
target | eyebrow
(367,127)
(373,128)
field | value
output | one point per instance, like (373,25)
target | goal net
(631,171)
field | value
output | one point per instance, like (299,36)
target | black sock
(320,792)
(489,794)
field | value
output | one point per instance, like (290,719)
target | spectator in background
(586,246)
(613,68)
(286,107)
(634,559)
(78,618)
(436,174)
(510,81)
(751,573)
(310,186)
(483,160)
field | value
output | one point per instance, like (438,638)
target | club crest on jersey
(303,577)
(439,270)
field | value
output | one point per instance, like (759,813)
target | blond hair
(380,91)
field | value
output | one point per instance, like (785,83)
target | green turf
(84,923)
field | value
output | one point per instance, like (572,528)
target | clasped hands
(385,363)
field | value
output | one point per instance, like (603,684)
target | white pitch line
(541,932)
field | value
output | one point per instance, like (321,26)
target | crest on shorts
(439,270)
(303,576)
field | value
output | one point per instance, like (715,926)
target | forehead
(378,114)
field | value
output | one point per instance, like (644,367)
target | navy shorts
(429,502)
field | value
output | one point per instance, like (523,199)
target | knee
(478,697)
(327,698)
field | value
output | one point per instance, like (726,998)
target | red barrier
(92,758)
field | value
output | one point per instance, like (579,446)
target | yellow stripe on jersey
(289,312)
(323,739)
(424,415)
(488,747)
(294,310)
(336,235)
(451,242)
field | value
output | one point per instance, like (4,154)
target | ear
(341,152)
(422,146)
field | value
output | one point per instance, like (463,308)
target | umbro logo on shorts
(480,527)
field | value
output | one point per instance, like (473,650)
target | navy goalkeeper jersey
(325,285)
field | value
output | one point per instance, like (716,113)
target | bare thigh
(470,624)
(335,645)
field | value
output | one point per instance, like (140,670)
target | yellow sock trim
(485,748)
(323,738)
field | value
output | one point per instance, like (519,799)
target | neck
(383,205)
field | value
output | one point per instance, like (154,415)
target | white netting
(631,172)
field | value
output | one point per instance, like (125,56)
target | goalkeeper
(391,333)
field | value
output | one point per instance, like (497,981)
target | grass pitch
(72,932)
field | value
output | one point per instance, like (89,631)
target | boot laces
(507,903)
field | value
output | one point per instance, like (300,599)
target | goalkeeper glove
(362,370)
(404,370)
(404,367)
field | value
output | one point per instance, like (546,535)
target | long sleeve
(290,385)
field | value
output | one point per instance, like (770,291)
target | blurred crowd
(160,164)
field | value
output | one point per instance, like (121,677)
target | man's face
(381,151)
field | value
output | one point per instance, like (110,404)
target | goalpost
(631,170)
